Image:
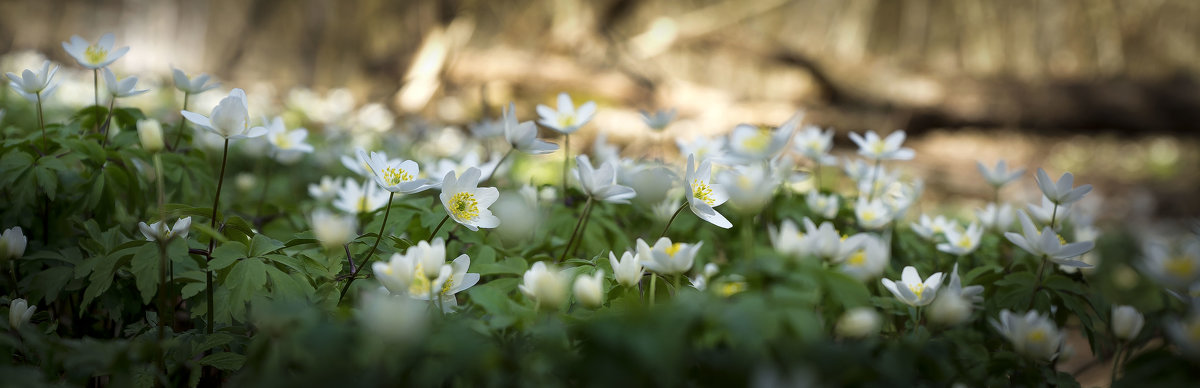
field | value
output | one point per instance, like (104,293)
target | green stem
(182,123)
(1116,363)
(367,259)
(439,227)
(42,123)
(96,85)
(677,282)
(163,314)
(107,118)
(213,240)
(1037,283)
(493,173)
(587,208)
(653,281)
(1054,217)
(566,164)
(668,227)
(874,176)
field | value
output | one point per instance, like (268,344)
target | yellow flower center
(702,191)
(1037,336)
(447,284)
(868,215)
(464,206)
(94,54)
(282,141)
(1180,266)
(1193,330)
(1061,240)
(857,259)
(673,249)
(815,146)
(566,121)
(759,141)
(964,242)
(396,175)
(731,288)
(420,284)
(917,289)
(878,147)
(362,204)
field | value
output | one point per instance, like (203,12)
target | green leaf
(146,266)
(245,279)
(224,361)
(845,289)
(226,254)
(261,245)
(285,286)
(48,283)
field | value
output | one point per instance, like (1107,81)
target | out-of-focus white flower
(973,294)
(439,168)
(754,143)
(875,148)
(826,206)
(12,244)
(749,187)
(604,151)
(394,175)
(659,119)
(627,271)
(857,169)
(999,176)
(393,319)
(374,117)
(326,189)
(1174,267)
(230,118)
(150,134)
(468,204)
(19,312)
(954,303)
(523,136)
(120,88)
(1185,333)
(872,214)
(666,258)
(94,56)
(858,322)
(652,184)
(996,218)
(331,229)
(601,183)
(1048,243)
(289,145)
(827,244)
(158,231)
(1085,233)
(703,148)
(485,128)
(789,240)
(245,181)
(1049,212)
(196,85)
(1063,192)
(911,290)
(545,285)
(962,242)
(518,214)
(703,195)
(663,211)
(815,144)
(448,281)
(566,119)
(354,198)
(1127,322)
(589,290)
(931,228)
(1032,335)
(29,84)
(867,262)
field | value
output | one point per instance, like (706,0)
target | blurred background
(1106,89)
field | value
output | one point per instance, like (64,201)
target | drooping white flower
(1032,335)
(1063,192)
(196,85)
(996,218)
(589,289)
(703,195)
(868,261)
(999,176)
(120,88)
(1048,243)
(94,56)
(158,231)
(875,148)
(972,294)
(627,271)
(19,312)
(931,228)
(230,118)
(466,203)
(394,175)
(859,322)
(749,187)
(523,136)
(566,119)
(658,120)
(326,189)
(354,198)
(601,183)
(755,143)
(815,144)
(872,214)
(29,84)
(911,290)
(826,206)
(331,229)
(962,242)
(12,244)
(150,135)
(1127,322)
(545,285)
(666,258)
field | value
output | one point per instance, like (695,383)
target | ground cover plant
(224,245)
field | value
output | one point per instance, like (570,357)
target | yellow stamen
(464,206)
(731,288)
(964,242)
(1037,336)
(282,141)
(673,249)
(1180,266)
(702,191)
(758,142)
(917,289)
(396,175)
(857,259)
(94,54)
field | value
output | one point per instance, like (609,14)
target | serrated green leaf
(224,361)
(261,245)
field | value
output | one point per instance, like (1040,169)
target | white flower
(94,56)
(1172,267)
(858,170)
(754,143)
(628,270)
(750,187)
(467,204)
(545,285)
(158,231)
(999,176)
(858,322)
(659,119)
(875,148)
(397,274)
(826,206)
(604,151)
(12,243)
(826,243)
(354,198)
(523,136)
(973,294)
(120,88)
(326,189)
(1185,333)
(150,134)
(1127,322)
(406,274)
(703,148)
(666,258)
(601,184)
(1032,335)
(194,85)
(230,118)
(289,145)
(1061,192)
(652,183)
(470,159)
(868,261)
(393,319)
(663,211)
(566,119)
(996,218)
(19,312)
(962,242)
(1048,243)
(1049,212)
(815,144)
(518,213)
(702,195)
(395,175)
(333,230)
(911,290)
(789,240)
(486,128)
(930,229)
(949,309)
(1085,233)
(872,214)
(29,84)
(589,290)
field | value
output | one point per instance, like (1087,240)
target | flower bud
(858,323)
(589,290)
(1126,322)
(19,312)
(949,309)
(245,181)
(333,230)
(545,285)
(12,244)
(151,134)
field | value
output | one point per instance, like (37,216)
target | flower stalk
(587,210)
(668,227)
(182,123)
(367,259)
(212,241)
